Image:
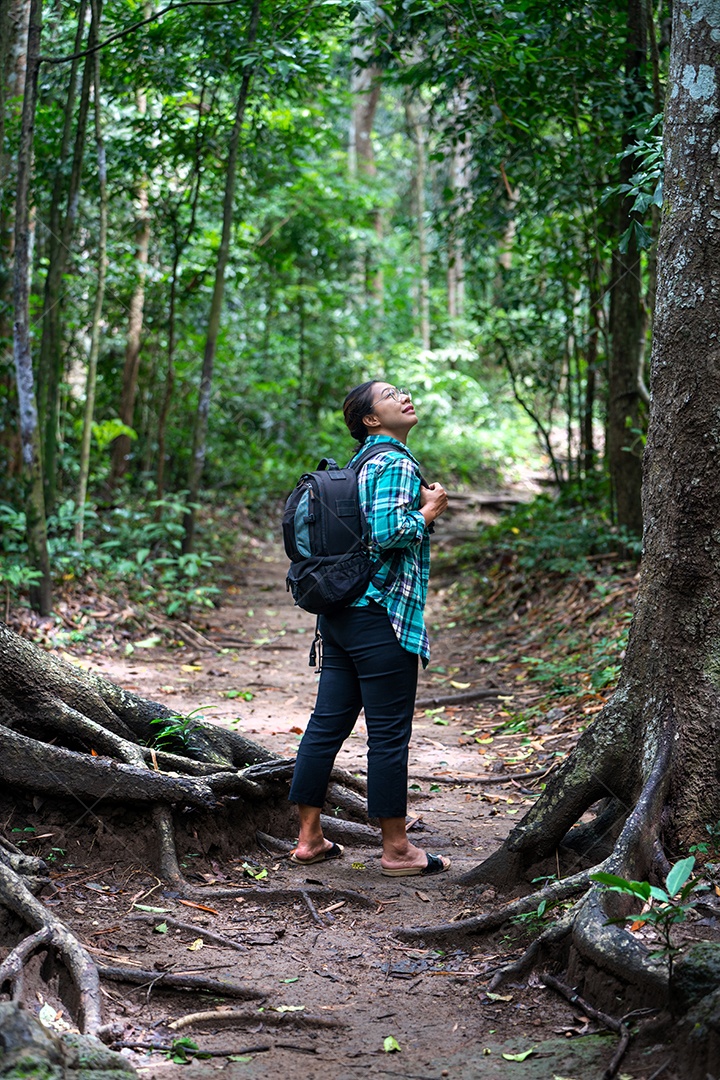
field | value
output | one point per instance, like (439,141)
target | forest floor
(344,998)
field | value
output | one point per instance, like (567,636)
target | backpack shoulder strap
(381,448)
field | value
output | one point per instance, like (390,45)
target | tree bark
(197,463)
(13,61)
(41,592)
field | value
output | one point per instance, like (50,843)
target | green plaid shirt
(389,490)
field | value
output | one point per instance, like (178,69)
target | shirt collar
(372,439)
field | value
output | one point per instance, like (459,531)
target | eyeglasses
(392,393)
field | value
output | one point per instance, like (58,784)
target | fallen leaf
(297,730)
(191,903)
(422,896)
(459,685)
(498,997)
(148,643)
(391,1045)
(161,928)
(288,1008)
(154,910)
(47,1015)
(520,1057)
(197,944)
(191,667)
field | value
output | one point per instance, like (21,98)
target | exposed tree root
(18,898)
(556,892)
(594,771)
(620,1027)
(12,966)
(72,735)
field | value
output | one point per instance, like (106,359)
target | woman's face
(392,410)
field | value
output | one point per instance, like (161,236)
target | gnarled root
(596,945)
(70,734)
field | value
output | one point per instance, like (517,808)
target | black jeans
(364,666)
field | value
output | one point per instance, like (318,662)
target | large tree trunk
(627,315)
(651,759)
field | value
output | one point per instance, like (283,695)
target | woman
(371,648)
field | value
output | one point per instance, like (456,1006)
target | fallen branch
(467,696)
(179,981)
(227,1017)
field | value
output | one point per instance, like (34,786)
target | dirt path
(339,964)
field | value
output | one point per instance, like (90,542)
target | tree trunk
(652,757)
(131,368)
(40,593)
(416,125)
(197,462)
(13,60)
(91,380)
(60,236)
(627,315)
(366,84)
(459,183)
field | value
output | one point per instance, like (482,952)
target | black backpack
(326,536)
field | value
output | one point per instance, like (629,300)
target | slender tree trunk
(365,88)
(13,60)
(591,365)
(91,381)
(179,244)
(459,182)
(627,317)
(197,462)
(41,595)
(60,236)
(416,125)
(131,368)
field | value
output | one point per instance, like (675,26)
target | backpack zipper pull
(315,658)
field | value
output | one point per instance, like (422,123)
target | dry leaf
(198,943)
(200,907)
(422,896)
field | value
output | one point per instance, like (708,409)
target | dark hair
(356,405)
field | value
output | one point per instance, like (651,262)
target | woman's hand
(433,502)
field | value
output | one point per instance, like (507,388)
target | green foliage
(663,909)
(710,847)
(175,732)
(557,535)
(184,1050)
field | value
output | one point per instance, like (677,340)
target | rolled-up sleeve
(395,521)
